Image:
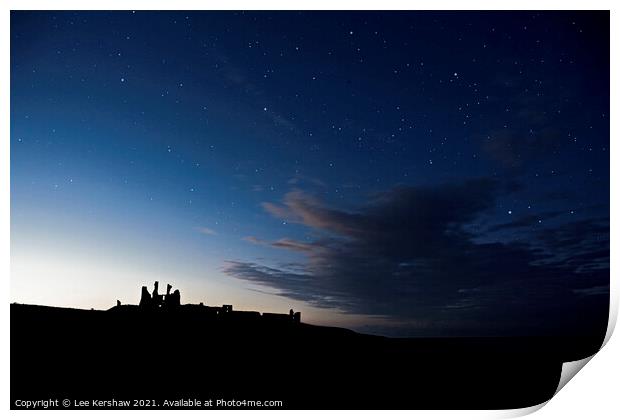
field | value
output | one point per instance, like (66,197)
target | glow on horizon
(81,277)
(150,153)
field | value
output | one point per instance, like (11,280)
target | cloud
(253,240)
(515,147)
(276,210)
(535,129)
(234,75)
(525,221)
(582,246)
(304,179)
(284,243)
(407,254)
(206,231)
(294,245)
(267,276)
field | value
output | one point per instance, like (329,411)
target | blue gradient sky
(238,156)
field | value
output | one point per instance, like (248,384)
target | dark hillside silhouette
(161,349)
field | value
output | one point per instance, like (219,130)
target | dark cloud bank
(412,256)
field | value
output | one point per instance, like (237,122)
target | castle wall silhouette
(171,302)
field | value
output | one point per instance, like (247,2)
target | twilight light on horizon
(404,173)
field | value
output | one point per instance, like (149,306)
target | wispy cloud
(206,230)
(408,254)
(284,243)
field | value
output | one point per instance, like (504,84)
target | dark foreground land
(130,355)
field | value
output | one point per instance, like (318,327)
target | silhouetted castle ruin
(156,301)
(172,302)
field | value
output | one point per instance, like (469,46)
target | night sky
(402,173)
